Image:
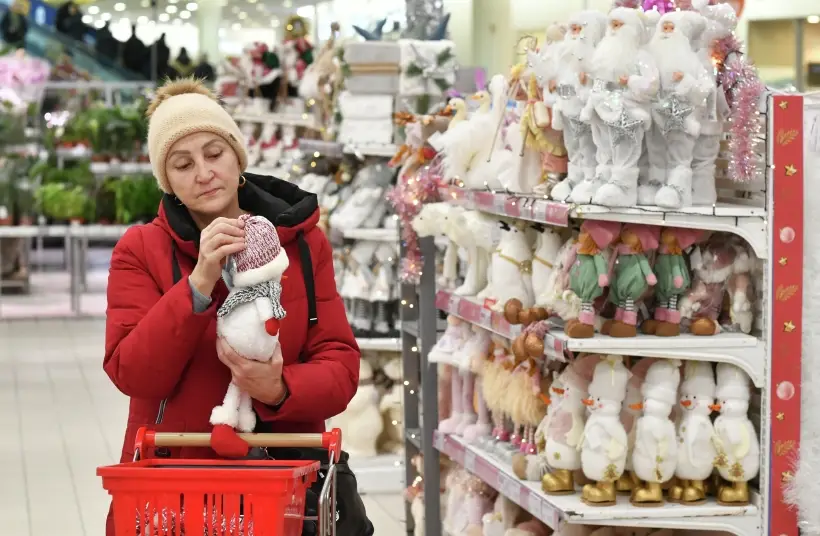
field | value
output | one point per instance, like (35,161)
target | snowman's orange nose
(686,403)
(588,402)
(715,407)
(636,407)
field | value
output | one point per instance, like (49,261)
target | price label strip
(509,487)
(553,213)
(469,460)
(453,304)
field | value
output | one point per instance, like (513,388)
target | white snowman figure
(249,319)
(655,455)
(537,465)
(629,418)
(696,451)
(604,445)
(738,458)
(566,428)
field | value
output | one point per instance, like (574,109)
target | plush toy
(712,265)
(673,281)
(656,455)
(696,434)
(588,273)
(604,446)
(629,418)
(249,322)
(632,276)
(361,422)
(738,459)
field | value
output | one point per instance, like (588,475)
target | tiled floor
(60,418)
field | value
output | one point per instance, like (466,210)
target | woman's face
(204,172)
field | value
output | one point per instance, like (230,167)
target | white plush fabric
(367,131)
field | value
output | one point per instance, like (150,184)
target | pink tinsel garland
(743,90)
(412,192)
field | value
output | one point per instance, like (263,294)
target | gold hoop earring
(242,181)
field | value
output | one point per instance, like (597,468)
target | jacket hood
(291,209)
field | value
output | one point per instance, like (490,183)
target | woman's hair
(183,107)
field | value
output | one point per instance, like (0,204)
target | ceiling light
(184,14)
(173,1)
(235,26)
(251,1)
(93,10)
(163,17)
(99,24)
(171,9)
(119,6)
(125,22)
(88,19)
(145,3)
(260,7)
(287,3)
(142,20)
(275,23)
(106,16)
(191,6)
(813,19)
(242,16)
(176,22)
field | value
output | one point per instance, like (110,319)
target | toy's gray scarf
(269,289)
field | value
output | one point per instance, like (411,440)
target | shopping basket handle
(332,440)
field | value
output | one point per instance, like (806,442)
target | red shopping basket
(177,497)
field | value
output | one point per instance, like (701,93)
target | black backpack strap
(307,275)
(163,452)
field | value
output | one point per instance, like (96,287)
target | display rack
(771,355)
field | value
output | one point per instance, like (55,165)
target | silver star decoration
(674,112)
(624,128)
(578,127)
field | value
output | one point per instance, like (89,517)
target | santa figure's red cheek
(272,327)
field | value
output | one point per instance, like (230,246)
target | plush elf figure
(632,276)
(296,30)
(673,281)
(249,322)
(588,275)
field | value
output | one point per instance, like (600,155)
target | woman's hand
(223,237)
(262,380)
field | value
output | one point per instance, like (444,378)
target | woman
(165,287)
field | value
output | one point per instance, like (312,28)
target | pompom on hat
(182,107)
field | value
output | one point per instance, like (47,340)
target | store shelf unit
(774,229)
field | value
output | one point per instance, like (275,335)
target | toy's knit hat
(263,258)
(182,107)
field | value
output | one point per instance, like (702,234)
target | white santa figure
(566,427)
(721,21)
(655,455)
(684,86)
(738,458)
(696,450)
(569,92)
(624,81)
(249,319)
(604,444)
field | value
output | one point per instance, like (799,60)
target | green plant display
(136,198)
(62,201)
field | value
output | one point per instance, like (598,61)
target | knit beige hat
(183,107)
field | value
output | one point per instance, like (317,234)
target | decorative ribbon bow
(436,72)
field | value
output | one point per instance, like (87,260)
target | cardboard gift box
(353,106)
(366,131)
(426,67)
(373,52)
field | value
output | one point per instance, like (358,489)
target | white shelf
(93,231)
(121,168)
(375,235)
(748,222)
(552,509)
(745,351)
(361,150)
(290,120)
(383,473)
(379,344)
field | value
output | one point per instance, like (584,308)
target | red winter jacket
(157,348)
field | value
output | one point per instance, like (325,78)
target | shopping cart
(179,497)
